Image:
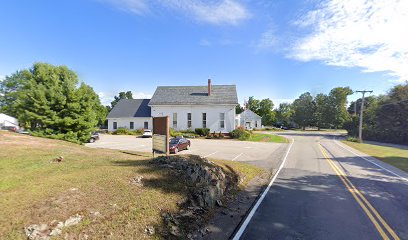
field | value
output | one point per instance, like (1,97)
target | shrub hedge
(202,131)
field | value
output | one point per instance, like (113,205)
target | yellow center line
(356,194)
(384,223)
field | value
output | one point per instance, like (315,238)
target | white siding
(125,123)
(213,116)
(251,123)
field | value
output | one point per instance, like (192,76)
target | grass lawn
(395,156)
(33,190)
(260,137)
(247,170)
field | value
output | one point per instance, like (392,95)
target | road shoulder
(227,218)
(374,161)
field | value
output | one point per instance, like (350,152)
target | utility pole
(360,127)
(355,108)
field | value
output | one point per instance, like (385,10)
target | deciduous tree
(304,110)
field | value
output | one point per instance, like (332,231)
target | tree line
(321,111)
(385,116)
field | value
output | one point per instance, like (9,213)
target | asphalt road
(261,154)
(324,191)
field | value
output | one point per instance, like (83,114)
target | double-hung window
(204,120)
(222,120)
(132,125)
(175,120)
(189,125)
(115,125)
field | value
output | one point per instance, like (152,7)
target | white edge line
(251,214)
(210,154)
(370,161)
(235,158)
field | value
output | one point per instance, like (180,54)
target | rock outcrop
(208,180)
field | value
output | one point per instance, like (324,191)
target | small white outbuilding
(8,121)
(249,119)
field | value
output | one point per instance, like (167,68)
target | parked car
(94,137)
(147,133)
(178,144)
(23,131)
(9,128)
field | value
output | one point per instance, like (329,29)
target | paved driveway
(266,155)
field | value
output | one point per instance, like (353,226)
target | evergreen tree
(50,103)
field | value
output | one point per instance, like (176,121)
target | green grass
(34,190)
(269,129)
(397,157)
(247,171)
(260,137)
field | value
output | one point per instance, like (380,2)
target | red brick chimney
(209,87)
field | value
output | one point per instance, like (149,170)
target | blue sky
(272,48)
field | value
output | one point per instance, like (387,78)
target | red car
(178,144)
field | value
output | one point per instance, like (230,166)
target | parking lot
(266,155)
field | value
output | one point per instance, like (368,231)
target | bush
(240,131)
(174,133)
(202,131)
(123,131)
(352,139)
(190,131)
(138,131)
(245,136)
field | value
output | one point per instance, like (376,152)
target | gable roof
(248,114)
(131,108)
(194,95)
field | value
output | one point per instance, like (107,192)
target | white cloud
(107,97)
(369,34)
(268,41)
(135,6)
(213,12)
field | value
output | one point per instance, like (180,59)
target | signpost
(161,135)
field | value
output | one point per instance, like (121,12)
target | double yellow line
(371,212)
